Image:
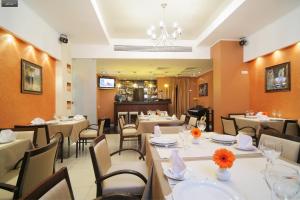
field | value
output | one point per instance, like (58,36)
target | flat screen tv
(106,83)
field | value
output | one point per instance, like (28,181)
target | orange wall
(288,103)
(105,103)
(17,107)
(206,101)
(230,88)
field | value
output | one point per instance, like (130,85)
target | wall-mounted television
(106,83)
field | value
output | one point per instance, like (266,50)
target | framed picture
(31,78)
(203,89)
(278,78)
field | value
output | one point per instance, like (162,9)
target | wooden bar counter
(139,106)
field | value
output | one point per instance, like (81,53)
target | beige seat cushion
(126,183)
(10,178)
(89,133)
(129,125)
(130,132)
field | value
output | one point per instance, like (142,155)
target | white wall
(106,51)
(27,25)
(84,88)
(281,33)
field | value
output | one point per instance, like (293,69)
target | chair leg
(121,144)
(69,144)
(82,142)
(139,142)
(62,152)
(76,149)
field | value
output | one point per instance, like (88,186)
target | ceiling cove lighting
(161,34)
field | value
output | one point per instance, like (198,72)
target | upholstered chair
(57,186)
(182,118)
(192,121)
(126,177)
(129,134)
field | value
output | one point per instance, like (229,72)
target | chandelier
(161,34)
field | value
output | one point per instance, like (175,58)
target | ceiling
(129,19)
(193,16)
(150,69)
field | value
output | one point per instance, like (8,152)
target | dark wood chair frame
(276,133)
(128,138)
(49,183)
(45,126)
(286,122)
(230,114)
(83,141)
(99,178)
(17,189)
(121,196)
(237,129)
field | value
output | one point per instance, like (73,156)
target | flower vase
(223,174)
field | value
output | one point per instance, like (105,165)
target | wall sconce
(9,38)
(166,85)
(135,85)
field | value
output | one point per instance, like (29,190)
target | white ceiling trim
(219,20)
(228,39)
(148,42)
(100,19)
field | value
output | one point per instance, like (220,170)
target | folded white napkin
(78,117)
(38,121)
(262,117)
(244,141)
(7,135)
(142,114)
(157,131)
(177,164)
(174,117)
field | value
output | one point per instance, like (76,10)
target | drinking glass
(279,114)
(271,150)
(283,181)
(201,125)
(274,113)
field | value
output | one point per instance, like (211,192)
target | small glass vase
(223,174)
(196,140)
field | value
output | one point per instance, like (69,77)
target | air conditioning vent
(152,48)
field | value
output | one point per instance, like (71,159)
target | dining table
(12,152)
(247,178)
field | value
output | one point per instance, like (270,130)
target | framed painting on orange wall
(278,78)
(31,78)
(203,89)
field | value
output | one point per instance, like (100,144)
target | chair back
(123,119)
(290,144)
(121,123)
(193,121)
(100,156)
(291,127)
(38,164)
(58,186)
(101,123)
(234,115)
(182,118)
(43,137)
(229,126)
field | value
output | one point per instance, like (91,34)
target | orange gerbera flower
(224,158)
(196,133)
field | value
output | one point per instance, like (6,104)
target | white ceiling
(129,19)
(150,68)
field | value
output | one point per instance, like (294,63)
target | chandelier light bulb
(175,25)
(174,35)
(179,31)
(152,28)
(161,24)
(149,32)
(153,36)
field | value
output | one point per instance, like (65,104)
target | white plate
(223,142)
(168,172)
(250,148)
(204,189)
(224,138)
(163,140)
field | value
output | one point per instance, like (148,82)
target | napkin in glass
(174,117)
(157,131)
(38,121)
(178,166)
(78,117)
(244,141)
(7,135)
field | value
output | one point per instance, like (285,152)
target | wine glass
(279,114)
(283,181)
(201,125)
(271,150)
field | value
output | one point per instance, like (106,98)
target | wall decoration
(31,78)
(277,78)
(203,89)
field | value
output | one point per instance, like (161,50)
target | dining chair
(291,127)
(230,128)
(89,133)
(111,178)
(182,118)
(43,137)
(193,121)
(128,134)
(124,196)
(290,144)
(234,115)
(37,165)
(57,186)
